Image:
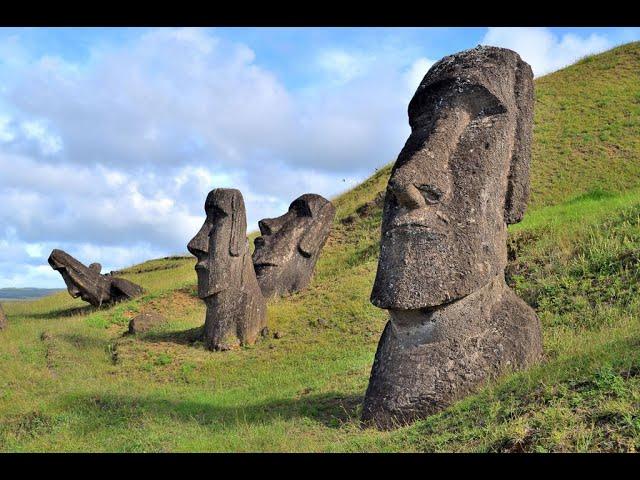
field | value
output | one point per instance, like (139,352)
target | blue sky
(110,138)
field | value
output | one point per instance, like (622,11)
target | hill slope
(71,381)
(587,133)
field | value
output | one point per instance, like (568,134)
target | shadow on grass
(83,342)
(330,409)
(183,337)
(64,312)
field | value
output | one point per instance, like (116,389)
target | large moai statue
(461,178)
(87,282)
(285,255)
(236,309)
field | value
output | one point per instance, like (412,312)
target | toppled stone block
(89,284)
(145,321)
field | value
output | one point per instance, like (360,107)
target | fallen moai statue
(236,308)
(461,178)
(285,255)
(89,284)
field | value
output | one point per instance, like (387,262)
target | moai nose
(199,243)
(264,227)
(407,194)
(269,226)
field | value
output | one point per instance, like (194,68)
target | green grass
(72,381)
(587,133)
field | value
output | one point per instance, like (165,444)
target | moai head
(461,177)
(87,282)
(82,281)
(286,253)
(220,243)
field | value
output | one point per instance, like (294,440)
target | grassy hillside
(72,381)
(587,133)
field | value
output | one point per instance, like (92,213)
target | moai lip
(89,284)
(236,308)
(286,253)
(461,178)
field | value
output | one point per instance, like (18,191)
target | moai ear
(238,237)
(314,238)
(96,267)
(518,186)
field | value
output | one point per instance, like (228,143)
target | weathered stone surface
(428,359)
(285,255)
(87,282)
(3,318)
(462,176)
(236,308)
(145,321)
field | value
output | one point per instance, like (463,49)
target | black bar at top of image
(343,14)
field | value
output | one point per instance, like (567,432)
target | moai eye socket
(301,208)
(218,212)
(430,193)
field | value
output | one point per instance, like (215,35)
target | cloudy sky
(110,139)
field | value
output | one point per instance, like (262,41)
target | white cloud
(342,66)
(49,143)
(544,50)
(29,275)
(416,73)
(111,159)
(6,131)
(172,94)
(34,250)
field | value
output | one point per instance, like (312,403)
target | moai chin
(285,255)
(461,178)
(88,283)
(236,309)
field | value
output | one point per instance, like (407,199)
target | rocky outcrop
(145,321)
